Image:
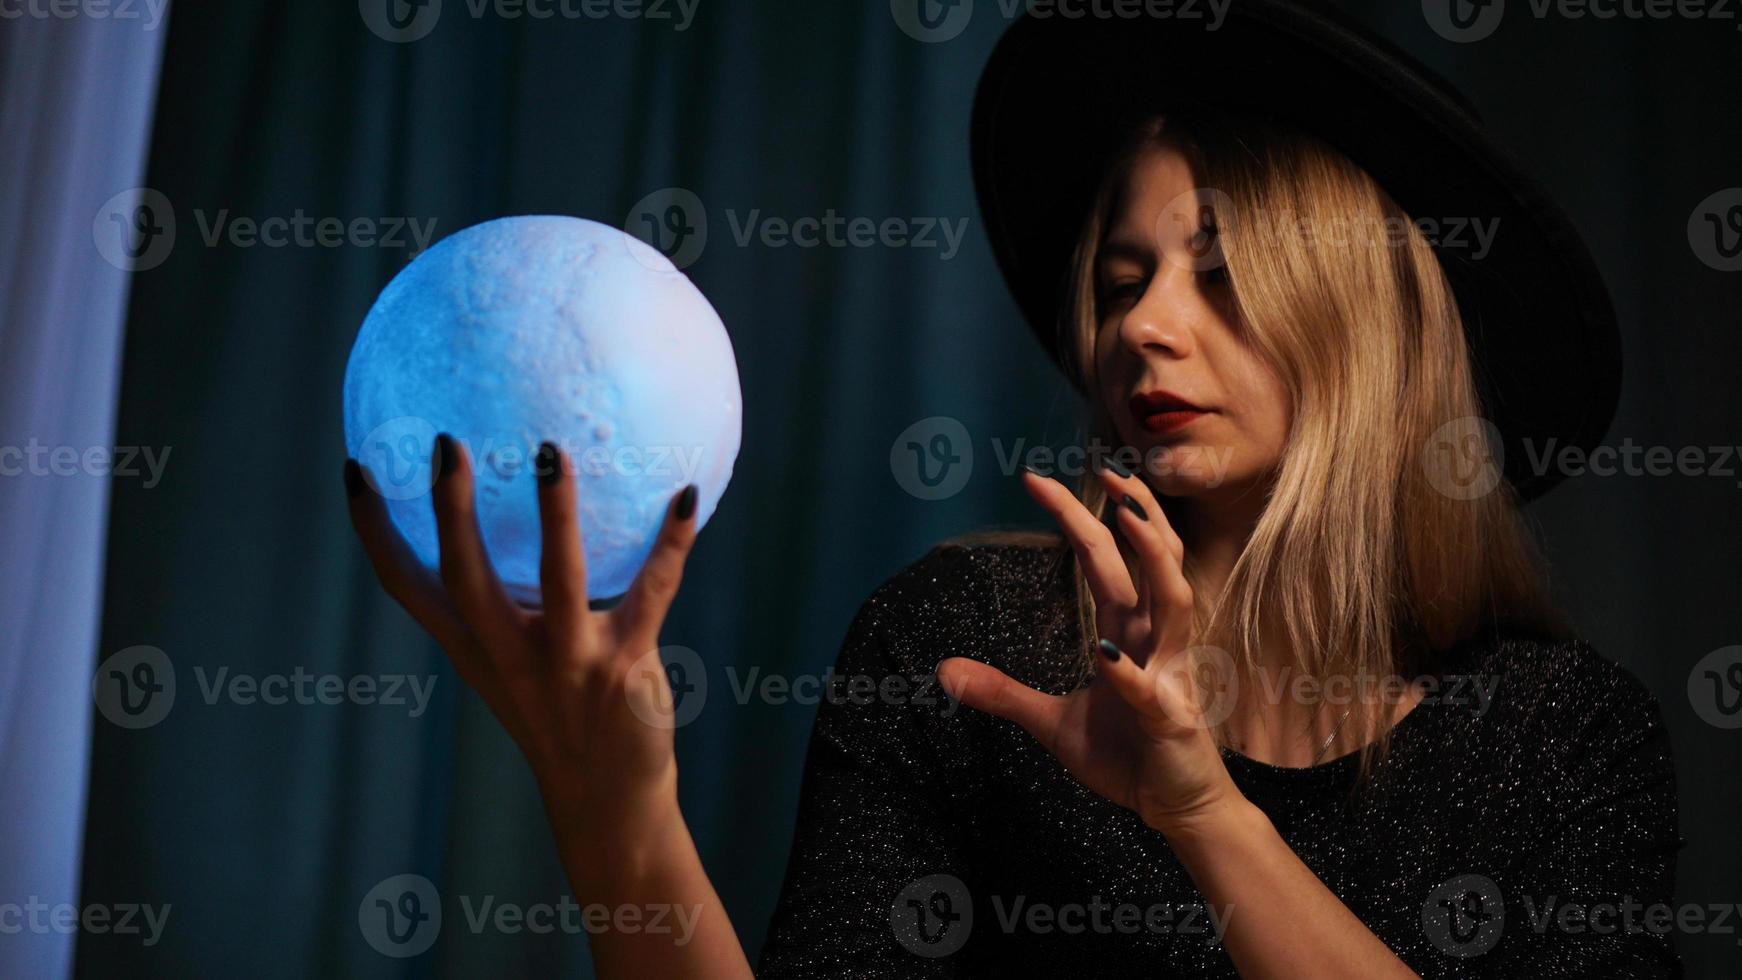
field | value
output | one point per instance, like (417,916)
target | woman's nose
(1160,320)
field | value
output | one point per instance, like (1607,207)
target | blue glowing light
(527,329)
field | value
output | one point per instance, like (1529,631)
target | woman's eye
(1119,292)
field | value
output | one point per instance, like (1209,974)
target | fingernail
(686,502)
(1109,651)
(548,466)
(1134,507)
(353,477)
(447,456)
(1113,464)
(1031,469)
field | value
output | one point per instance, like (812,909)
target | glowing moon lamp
(527,329)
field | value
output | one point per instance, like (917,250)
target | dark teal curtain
(263,827)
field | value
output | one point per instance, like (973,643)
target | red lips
(1163,411)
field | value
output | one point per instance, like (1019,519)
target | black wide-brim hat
(1056,102)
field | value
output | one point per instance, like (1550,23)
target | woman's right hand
(582,692)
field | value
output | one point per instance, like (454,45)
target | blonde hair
(1371,569)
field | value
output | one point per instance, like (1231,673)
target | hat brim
(1058,95)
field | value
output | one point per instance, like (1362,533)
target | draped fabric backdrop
(75,117)
(264,826)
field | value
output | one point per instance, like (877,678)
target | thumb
(986,688)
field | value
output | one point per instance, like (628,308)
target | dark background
(264,826)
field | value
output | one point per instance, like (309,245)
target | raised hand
(582,692)
(1137,734)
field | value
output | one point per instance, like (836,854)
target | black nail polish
(1030,469)
(1112,463)
(548,465)
(447,456)
(1134,507)
(1109,651)
(686,502)
(353,478)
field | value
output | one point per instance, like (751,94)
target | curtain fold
(76,98)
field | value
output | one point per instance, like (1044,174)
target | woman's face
(1207,414)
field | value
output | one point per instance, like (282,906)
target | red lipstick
(1161,411)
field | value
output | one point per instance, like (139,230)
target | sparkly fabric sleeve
(1584,902)
(871,812)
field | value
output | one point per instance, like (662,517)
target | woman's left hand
(1138,735)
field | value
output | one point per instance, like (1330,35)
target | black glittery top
(1529,832)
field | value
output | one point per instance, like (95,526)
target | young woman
(1283,699)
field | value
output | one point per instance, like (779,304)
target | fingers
(562,564)
(1158,693)
(643,609)
(986,688)
(398,569)
(471,582)
(1119,485)
(1167,596)
(1097,552)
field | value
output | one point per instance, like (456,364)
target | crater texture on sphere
(522,330)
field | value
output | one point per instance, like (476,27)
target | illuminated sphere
(531,329)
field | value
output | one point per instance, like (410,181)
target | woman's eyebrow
(1122,248)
